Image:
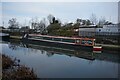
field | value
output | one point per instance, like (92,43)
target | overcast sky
(65,11)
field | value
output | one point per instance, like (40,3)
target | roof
(88,26)
(59,36)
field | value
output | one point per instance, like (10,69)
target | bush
(13,71)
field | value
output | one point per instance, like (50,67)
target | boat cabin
(66,40)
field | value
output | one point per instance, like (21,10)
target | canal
(53,62)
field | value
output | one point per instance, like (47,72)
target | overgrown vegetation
(55,28)
(11,70)
(7,62)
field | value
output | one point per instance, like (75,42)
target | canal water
(53,62)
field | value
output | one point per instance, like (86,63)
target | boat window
(86,42)
(57,39)
(68,40)
(38,37)
(47,38)
(77,41)
(31,36)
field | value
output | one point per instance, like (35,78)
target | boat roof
(60,36)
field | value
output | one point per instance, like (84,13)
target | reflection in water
(13,46)
(50,62)
(50,51)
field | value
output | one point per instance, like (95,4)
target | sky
(59,0)
(65,11)
(119,12)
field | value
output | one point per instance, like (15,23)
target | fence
(93,34)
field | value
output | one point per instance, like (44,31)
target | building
(109,28)
(92,31)
(87,31)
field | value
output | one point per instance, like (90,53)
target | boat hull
(97,48)
(55,44)
(5,38)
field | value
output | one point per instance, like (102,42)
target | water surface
(50,62)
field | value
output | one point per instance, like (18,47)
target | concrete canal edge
(110,47)
(16,37)
(105,46)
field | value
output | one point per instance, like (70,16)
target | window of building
(99,30)
(118,30)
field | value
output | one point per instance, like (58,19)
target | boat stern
(97,48)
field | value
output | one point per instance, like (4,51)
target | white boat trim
(97,47)
(97,51)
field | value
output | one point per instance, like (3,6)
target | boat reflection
(61,51)
(53,50)
(50,51)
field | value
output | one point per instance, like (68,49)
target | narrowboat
(4,37)
(62,42)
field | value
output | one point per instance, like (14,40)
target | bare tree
(78,20)
(34,22)
(13,24)
(93,19)
(50,18)
(42,26)
(102,21)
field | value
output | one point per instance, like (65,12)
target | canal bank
(16,37)
(11,69)
(110,47)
